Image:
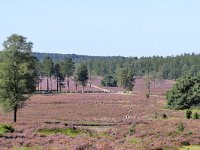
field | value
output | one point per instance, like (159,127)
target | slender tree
(148,81)
(17,73)
(48,69)
(59,77)
(67,69)
(81,75)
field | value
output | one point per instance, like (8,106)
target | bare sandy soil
(105,114)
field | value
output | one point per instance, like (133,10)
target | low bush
(188,114)
(195,116)
(164,116)
(147,95)
(131,129)
(4,128)
(181,127)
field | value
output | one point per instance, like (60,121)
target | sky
(104,27)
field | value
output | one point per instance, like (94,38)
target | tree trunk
(82,89)
(90,84)
(47,84)
(60,86)
(68,83)
(15,115)
(51,83)
(57,84)
(38,85)
(76,87)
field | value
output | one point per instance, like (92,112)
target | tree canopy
(185,93)
(125,78)
(17,73)
(170,67)
(81,75)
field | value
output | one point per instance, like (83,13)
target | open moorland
(104,121)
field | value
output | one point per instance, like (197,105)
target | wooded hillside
(170,67)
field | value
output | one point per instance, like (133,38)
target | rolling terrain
(101,121)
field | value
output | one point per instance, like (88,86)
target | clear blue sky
(105,27)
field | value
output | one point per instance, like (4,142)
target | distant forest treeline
(171,67)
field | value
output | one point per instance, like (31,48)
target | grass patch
(27,148)
(191,147)
(72,132)
(4,128)
(134,140)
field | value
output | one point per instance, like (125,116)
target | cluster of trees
(62,71)
(170,67)
(21,71)
(124,78)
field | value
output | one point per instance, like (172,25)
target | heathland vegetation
(22,72)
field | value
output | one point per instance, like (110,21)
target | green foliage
(109,81)
(67,69)
(6,129)
(131,129)
(48,66)
(171,67)
(125,78)
(59,77)
(195,115)
(147,81)
(188,114)
(17,73)
(27,148)
(191,147)
(164,116)
(147,95)
(134,140)
(181,127)
(81,75)
(72,132)
(185,143)
(185,93)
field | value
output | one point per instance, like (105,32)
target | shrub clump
(184,94)
(195,115)
(4,128)
(147,95)
(109,81)
(181,127)
(131,129)
(188,114)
